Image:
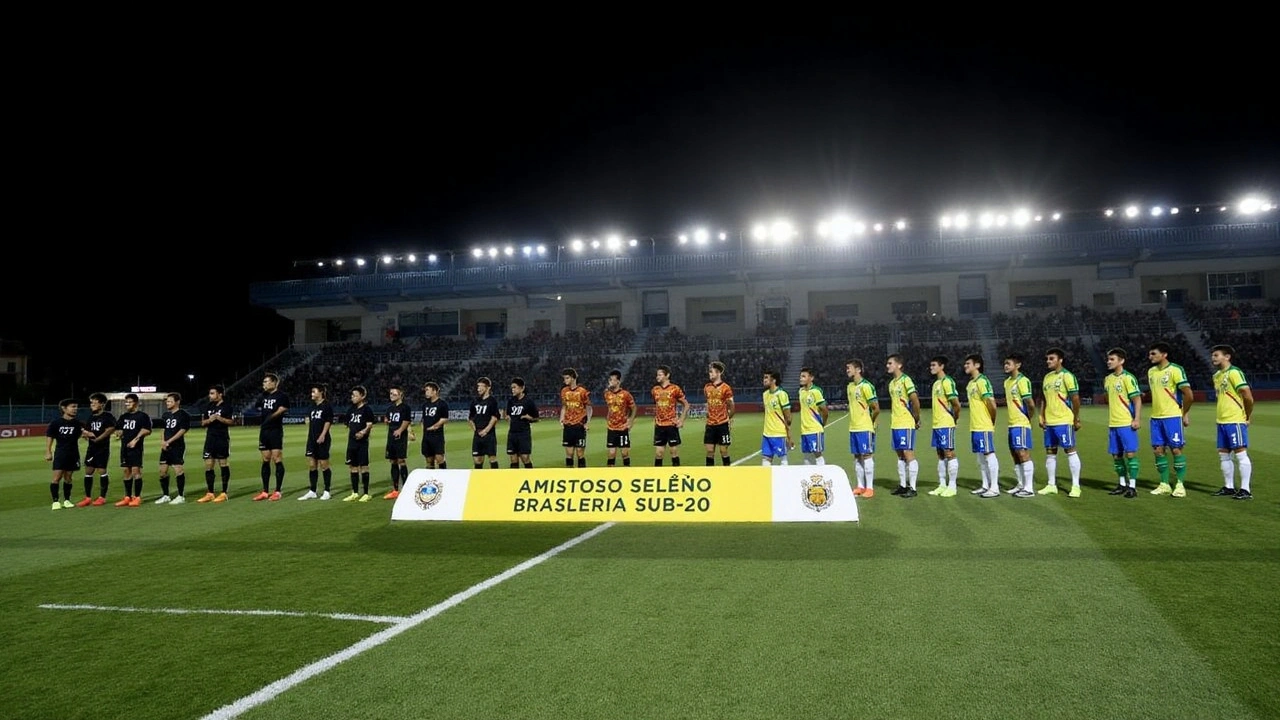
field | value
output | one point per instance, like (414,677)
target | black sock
(611,462)
(164,484)
(724,460)
(312,477)
(53,490)
(513,465)
(88,485)
(226,477)
(395,476)
(103,482)
(493,464)
(443,465)
(66,489)
(182,484)
(657,462)
(137,487)
(582,462)
(355,482)
(208,480)
(128,487)
(568,462)
(479,464)
(364,480)
(529,464)
(626,462)
(675,462)
(279,475)
(711,461)
(266,475)
(328,478)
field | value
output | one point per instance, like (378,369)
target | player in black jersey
(217,443)
(102,425)
(274,404)
(175,422)
(435,413)
(319,441)
(64,432)
(133,428)
(360,421)
(399,423)
(483,418)
(520,411)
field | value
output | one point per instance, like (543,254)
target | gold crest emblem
(428,493)
(816,493)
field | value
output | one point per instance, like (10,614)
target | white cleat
(325,496)
(163,500)
(177,500)
(311,495)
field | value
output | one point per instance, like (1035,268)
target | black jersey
(97,424)
(268,404)
(218,430)
(174,422)
(397,414)
(357,419)
(432,412)
(516,408)
(65,434)
(481,410)
(319,416)
(131,426)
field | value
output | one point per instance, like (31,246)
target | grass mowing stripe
(383,619)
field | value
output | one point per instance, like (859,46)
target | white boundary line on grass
(384,619)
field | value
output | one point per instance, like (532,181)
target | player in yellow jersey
(864,410)
(1171,400)
(982,426)
(776,437)
(904,420)
(813,419)
(1124,409)
(1060,419)
(1017,398)
(945,411)
(1235,407)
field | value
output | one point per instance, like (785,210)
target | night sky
(155,213)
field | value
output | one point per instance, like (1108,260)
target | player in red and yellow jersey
(622,413)
(667,419)
(719,414)
(575,413)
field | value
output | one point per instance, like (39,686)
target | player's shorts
(319,450)
(358,453)
(433,444)
(97,457)
(943,438)
(217,448)
(1059,436)
(131,457)
(67,460)
(813,442)
(862,442)
(398,449)
(666,435)
(1167,432)
(484,446)
(1020,438)
(771,447)
(716,435)
(271,438)
(617,439)
(983,442)
(574,436)
(1233,436)
(519,444)
(1122,440)
(175,455)
(903,439)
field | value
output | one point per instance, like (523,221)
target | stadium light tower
(433,258)
(477,252)
(1252,205)
(760,232)
(576,245)
(901,224)
(1021,217)
(945,222)
(701,236)
(782,231)
(962,221)
(1131,211)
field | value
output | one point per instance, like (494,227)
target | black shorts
(358,454)
(131,457)
(398,449)
(433,445)
(666,435)
(617,439)
(319,451)
(716,435)
(484,446)
(519,444)
(216,448)
(574,436)
(271,438)
(97,457)
(175,455)
(67,460)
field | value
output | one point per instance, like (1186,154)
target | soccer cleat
(869,493)
(977,491)
(1119,490)
(136,501)
(310,495)
(1048,490)
(938,490)
(366,497)
(100,501)
(1179,490)
(391,495)
(1243,495)
(57,505)
(124,502)
(1225,492)
(222,497)
(208,497)
(1131,493)
(1024,494)
(909,493)
(162,500)
(857,492)
(993,493)
(274,496)
(178,500)
(352,497)
(947,492)
(1014,490)
(1162,489)
(1075,492)
(86,502)
(899,490)
(261,496)
(326,495)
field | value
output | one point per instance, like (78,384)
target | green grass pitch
(929,608)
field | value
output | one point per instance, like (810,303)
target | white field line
(384,619)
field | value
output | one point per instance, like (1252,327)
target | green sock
(1180,467)
(1119,465)
(1133,470)
(1162,467)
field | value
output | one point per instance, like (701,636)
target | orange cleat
(136,501)
(124,502)
(99,501)
(208,497)
(391,495)
(261,496)
(857,492)
(222,497)
(869,492)
(274,496)
(86,502)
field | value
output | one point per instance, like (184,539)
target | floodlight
(945,222)
(1267,207)
(782,230)
(684,239)
(542,250)
(339,262)
(386,259)
(878,227)
(493,252)
(1002,220)
(1131,211)
(1021,217)
(360,262)
(1157,211)
(595,244)
(320,263)
(508,251)
(412,258)
(986,220)
(633,242)
(432,258)
(1057,216)
(614,242)
(962,221)
(840,227)
(477,252)
(1039,218)
(1173,211)
(724,236)
(859,227)
(901,225)
(701,236)
(1108,212)
(576,246)
(1250,205)
(760,231)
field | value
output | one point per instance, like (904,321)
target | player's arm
(1136,396)
(324,430)
(404,428)
(913,404)
(990,402)
(224,419)
(1029,407)
(823,412)
(531,412)
(586,400)
(1075,409)
(1246,398)
(728,408)
(632,409)
(368,428)
(177,436)
(48,448)
(284,408)
(106,433)
(1042,405)
(493,421)
(1188,399)
(142,432)
(873,404)
(786,424)
(561,411)
(955,407)
(683,412)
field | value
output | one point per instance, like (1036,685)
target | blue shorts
(1020,438)
(1059,436)
(944,438)
(862,442)
(813,443)
(903,439)
(1122,440)
(773,447)
(1233,436)
(984,442)
(1167,432)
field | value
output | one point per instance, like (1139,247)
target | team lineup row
(1057,413)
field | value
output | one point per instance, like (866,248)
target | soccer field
(930,607)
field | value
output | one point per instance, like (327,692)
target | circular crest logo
(816,493)
(428,493)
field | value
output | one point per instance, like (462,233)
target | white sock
(1228,470)
(953,471)
(766,463)
(913,469)
(821,460)
(1073,462)
(858,472)
(902,473)
(1051,467)
(869,472)
(982,471)
(942,472)
(993,471)
(1017,475)
(785,462)
(1029,473)
(1246,469)
(807,459)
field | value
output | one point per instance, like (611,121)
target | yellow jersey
(980,418)
(1229,383)
(775,401)
(1121,390)
(900,392)
(810,417)
(1058,388)
(1017,397)
(862,395)
(943,391)
(1166,390)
